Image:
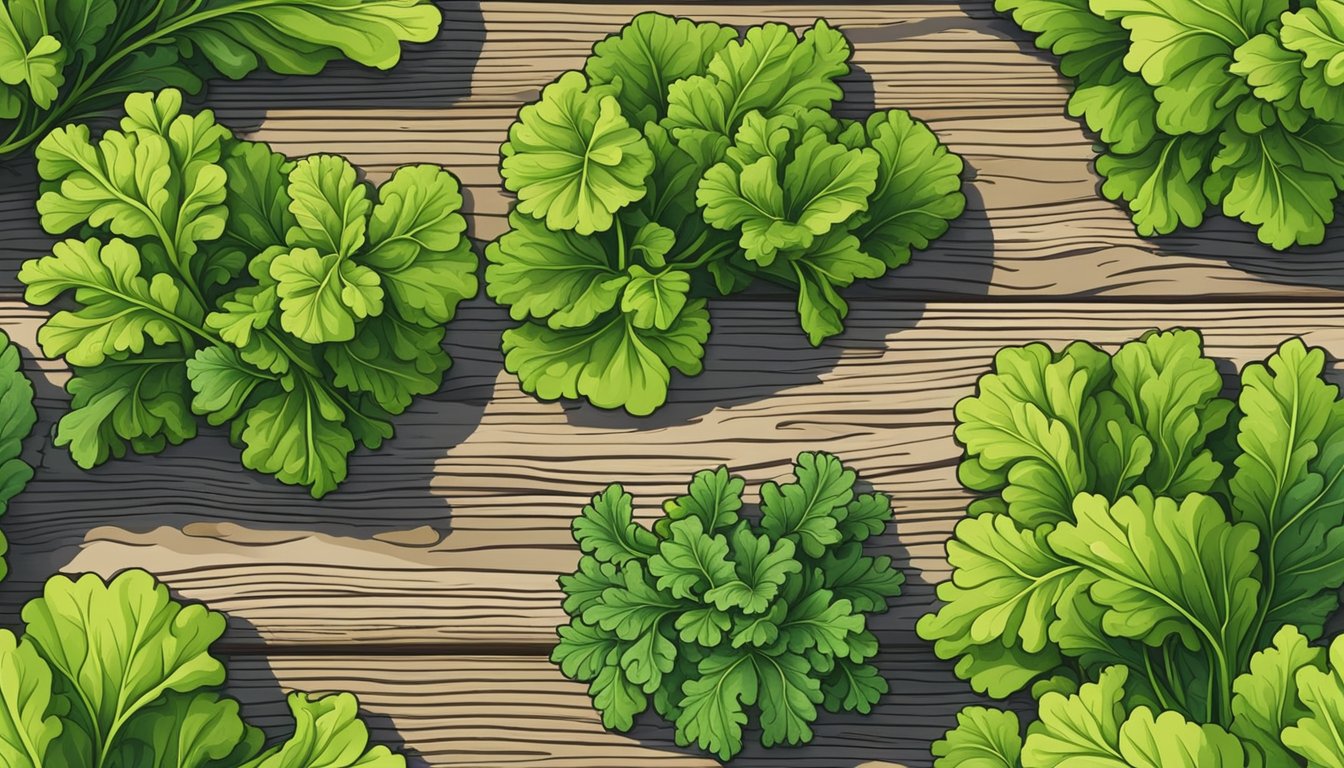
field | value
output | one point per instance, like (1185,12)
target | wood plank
(498,711)
(454,532)
(1035,225)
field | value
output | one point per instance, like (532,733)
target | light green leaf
(651,53)
(36,60)
(983,738)
(1123,113)
(834,261)
(327,734)
(1282,182)
(917,192)
(1084,727)
(613,363)
(1144,551)
(561,277)
(298,37)
(243,313)
(653,242)
(655,300)
(823,184)
(141,400)
(330,206)
(390,359)
(28,726)
(122,311)
(1275,75)
(159,178)
(224,383)
(198,730)
(1163,184)
(772,70)
(1002,599)
(81,629)
(573,158)
(1266,697)
(1171,391)
(1289,475)
(1184,50)
(1321,692)
(1318,33)
(606,529)
(300,436)
(321,296)
(418,245)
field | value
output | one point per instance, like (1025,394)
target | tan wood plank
(454,532)
(496,711)
(1035,225)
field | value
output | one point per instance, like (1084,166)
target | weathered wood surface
(497,712)
(454,532)
(427,583)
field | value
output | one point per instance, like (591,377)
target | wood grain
(495,711)
(454,532)
(1035,226)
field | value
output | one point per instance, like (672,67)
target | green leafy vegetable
(713,618)
(223,280)
(119,675)
(1149,559)
(686,162)
(1227,104)
(63,61)
(17,417)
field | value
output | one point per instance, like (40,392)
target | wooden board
(427,583)
(518,712)
(454,532)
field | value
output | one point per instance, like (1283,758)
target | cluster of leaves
(17,417)
(1151,561)
(66,60)
(710,615)
(1222,102)
(684,162)
(119,675)
(221,279)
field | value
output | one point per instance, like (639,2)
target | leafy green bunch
(218,278)
(684,162)
(67,60)
(119,675)
(1150,559)
(1226,103)
(711,615)
(17,417)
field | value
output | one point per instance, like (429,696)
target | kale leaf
(711,617)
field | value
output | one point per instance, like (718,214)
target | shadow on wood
(434,75)
(262,696)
